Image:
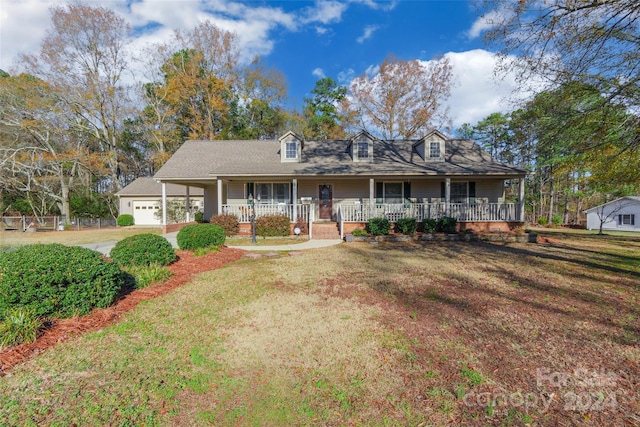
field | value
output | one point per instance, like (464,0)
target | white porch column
(188,205)
(294,195)
(447,195)
(372,198)
(219,194)
(521,198)
(164,203)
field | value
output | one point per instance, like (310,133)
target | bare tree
(84,56)
(605,215)
(404,98)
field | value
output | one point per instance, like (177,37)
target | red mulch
(63,329)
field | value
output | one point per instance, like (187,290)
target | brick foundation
(170,228)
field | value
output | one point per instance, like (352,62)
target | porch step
(325,230)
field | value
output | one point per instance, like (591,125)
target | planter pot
(348,238)
(31,230)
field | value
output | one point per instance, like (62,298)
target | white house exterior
(349,181)
(622,214)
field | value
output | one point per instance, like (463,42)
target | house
(142,199)
(346,182)
(621,214)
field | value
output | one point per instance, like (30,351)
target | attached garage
(146,213)
(143,199)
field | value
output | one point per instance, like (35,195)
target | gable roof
(209,159)
(633,199)
(147,186)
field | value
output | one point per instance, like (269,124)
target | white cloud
(346,76)
(476,93)
(324,12)
(368,32)
(487,22)
(380,5)
(22,27)
(319,73)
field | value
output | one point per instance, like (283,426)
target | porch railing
(481,212)
(243,211)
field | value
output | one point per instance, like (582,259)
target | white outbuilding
(622,214)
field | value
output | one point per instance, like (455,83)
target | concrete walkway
(105,247)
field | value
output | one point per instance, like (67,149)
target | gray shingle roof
(207,159)
(150,187)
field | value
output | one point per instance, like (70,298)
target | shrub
(273,225)
(359,232)
(20,326)
(124,220)
(447,225)
(429,225)
(198,217)
(556,220)
(148,274)
(194,236)
(379,226)
(57,280)
(406,225)
(143,249)
(543,221)
(228,222)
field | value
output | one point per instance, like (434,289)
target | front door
(325,196)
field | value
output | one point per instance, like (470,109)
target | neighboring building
(142,199)
(621,214)
(349,181)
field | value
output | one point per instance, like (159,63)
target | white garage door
(144,213)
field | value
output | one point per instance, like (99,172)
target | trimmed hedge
(124,220)
(406,225)
(143,249)
(195,236)
(429,225)
(273,225)
(228,222)
(447,225)
(379,226)
(57,281)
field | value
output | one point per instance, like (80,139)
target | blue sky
(307,40)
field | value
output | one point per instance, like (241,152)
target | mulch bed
(61,330)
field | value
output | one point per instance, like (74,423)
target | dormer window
(434,150)
(361,147)
(290,147)
(362,150)
(432,147)
(291,150)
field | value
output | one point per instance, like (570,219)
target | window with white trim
(291,150)
(434,150)
(270,192)
(362,150)
(627,219)
(459,192)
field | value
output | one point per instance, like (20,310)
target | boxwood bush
(194,236)
(429,225)
(273,225)
(124,220)
(143,249)
(56,280)
(447,224)
(406,225)
(228,222)
(379,226)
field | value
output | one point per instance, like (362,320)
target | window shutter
(633,220)
(379,192)
(619,219)
(407,192)
(472,192)
(250,190)
(443,191)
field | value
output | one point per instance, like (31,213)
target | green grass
(146,275)
(391,334)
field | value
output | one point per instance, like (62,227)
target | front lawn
(441,333)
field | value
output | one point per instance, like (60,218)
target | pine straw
(61,330)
